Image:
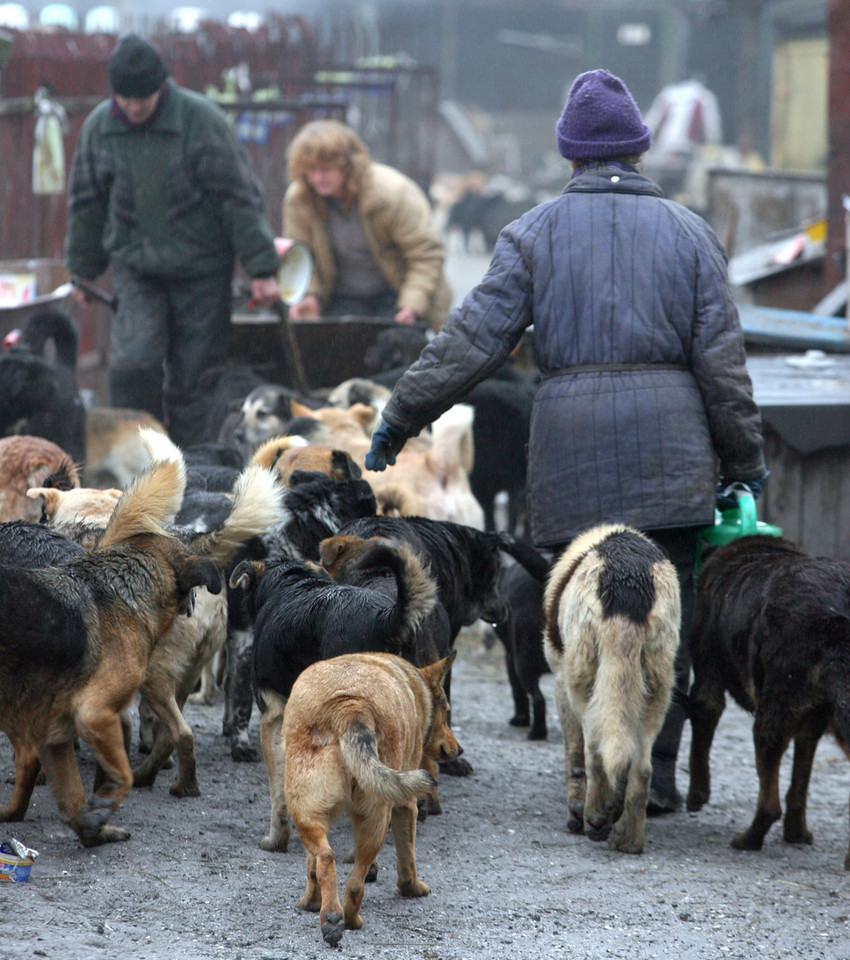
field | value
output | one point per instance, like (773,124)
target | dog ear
(49,497)
(197,572)
(366,497)
(364,415)
(300,410)
(246,574)
(435,673)
(283,407)
(331,549)
(318,569)
(343,467)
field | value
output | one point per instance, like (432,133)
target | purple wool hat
(600,120)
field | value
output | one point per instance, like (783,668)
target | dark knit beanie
(135,68)
(600,120)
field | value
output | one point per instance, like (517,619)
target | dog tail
(359,751)
(58,327)
(154,496)
(257,505)
(615,712)
(416,589)
(534,562)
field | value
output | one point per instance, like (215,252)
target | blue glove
(726,489)
(387,441)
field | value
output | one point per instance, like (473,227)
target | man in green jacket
(162,192)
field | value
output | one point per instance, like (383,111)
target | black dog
(39,396)
(521,585)
(32,545)
(345,559)
(302,615)
(465,563)
(315,506)
(771,627)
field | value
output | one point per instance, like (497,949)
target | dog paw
(575,821)
(272,844)
(457,767)
(626,846)
(90,821)
(106,834)
(598,827)
(537,733)
(744,841)
(179,789)
(244,753)
(202,699)
(520,720)
(333,929)
(414,888)
(794,829)
(623,842)
(144,776)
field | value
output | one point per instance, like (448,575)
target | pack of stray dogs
(333,605)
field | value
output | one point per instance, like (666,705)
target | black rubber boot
(138,388)
(663,795)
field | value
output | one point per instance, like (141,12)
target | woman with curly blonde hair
(376,250)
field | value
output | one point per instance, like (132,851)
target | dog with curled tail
(611,631)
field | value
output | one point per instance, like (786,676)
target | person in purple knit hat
(644,413)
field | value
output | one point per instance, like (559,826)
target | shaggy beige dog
(611,630)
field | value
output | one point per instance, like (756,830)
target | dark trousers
(680,545)
(165,334)
(381,305)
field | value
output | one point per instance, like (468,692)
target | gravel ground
(507,879)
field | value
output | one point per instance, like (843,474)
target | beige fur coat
(399,227)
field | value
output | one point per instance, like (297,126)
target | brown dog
(772,628)
(355,730)
(611,630)
(181,656)
(75,643)
(27,462)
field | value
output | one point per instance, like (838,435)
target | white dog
(611,630)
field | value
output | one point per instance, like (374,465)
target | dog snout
(450,749)
(495,612)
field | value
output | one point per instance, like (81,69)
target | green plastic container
(740,521)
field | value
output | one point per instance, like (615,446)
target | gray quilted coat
(645,397)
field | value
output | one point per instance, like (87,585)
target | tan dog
(611,630)
(354,731)
(286,454)
(91,506)
(26,462)
(114,452)
(432,469)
